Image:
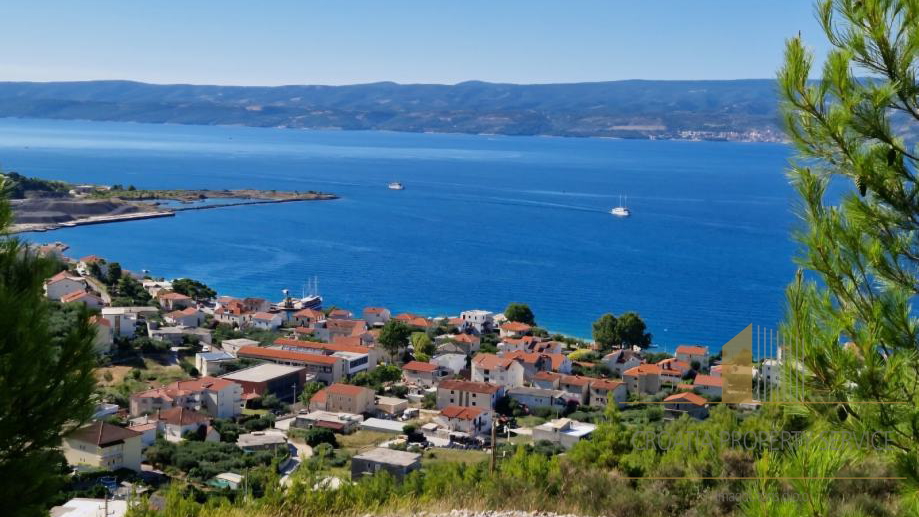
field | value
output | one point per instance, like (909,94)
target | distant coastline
(50,205)
(738,111)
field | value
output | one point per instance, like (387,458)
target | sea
(483,221)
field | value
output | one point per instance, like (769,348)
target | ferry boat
(313,300)
(396,186)
(621,210)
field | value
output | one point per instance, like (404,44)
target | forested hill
(742,109)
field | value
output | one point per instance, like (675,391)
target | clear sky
(270,42)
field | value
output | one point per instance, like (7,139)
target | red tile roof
(605,384)
(466,338)
(692,350)
(707,380)
(102,434)
(688,396)
(182,416)
(312,314)
(91,258)
(202,384)
(266,316)
(76,295)
(576,380)
(63,275)
(169,295)
(315,345)
(515,326)
(546,376)
(643,369)
(374,310)
(99,320)
(461,413)
(418,366)
(474,387)
(288,355)
(492,362)
(347,390)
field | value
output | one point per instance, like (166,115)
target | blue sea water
(483,221)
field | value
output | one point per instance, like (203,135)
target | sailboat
(621,210)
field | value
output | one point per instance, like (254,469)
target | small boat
(621,210)
(396,186)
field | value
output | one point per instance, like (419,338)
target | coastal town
(276,384)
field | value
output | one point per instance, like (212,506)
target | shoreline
(152,214)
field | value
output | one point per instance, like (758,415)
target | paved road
(298,453)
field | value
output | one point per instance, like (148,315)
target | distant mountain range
(731,110)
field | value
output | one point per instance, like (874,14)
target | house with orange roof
(578,386)
(478,320)
(423,374)
(343,398)
(406,317)
(472,421)
(643,379)
(535,362)
(452,392)
(327,368)
(458,343)
(546,380)
(174,423)
(359,358)
(266,320)
(497,370)
(103,446)
(104,334)
(602,391)
(522,344)
(173,301)
(217,397)
(376,316)
(63,284)
(339,314)
(187,317)
(87,298)
(514,329)
(84,264)
(232,313)
(334,328)
(621,360)
(690,353)
(308,318)
(672,363)
(707,385)
(686,403)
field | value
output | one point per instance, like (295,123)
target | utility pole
(494,448)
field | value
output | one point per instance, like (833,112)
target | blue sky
(433,41)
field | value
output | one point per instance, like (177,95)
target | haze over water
(484,220)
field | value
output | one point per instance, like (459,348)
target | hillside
(738,110)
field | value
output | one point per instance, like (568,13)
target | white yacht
(621,210)
(396,186)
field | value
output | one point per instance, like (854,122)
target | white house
(470,420)
(707,385)
(690,353)
(63,284)
(188,317)
(124,319)
(376,316)
(564,432)
(497,370)
(104,339)
(538,397)
(514,329)
(621,360)
(175,422)
(478,319)
(87,298)
(266,320)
